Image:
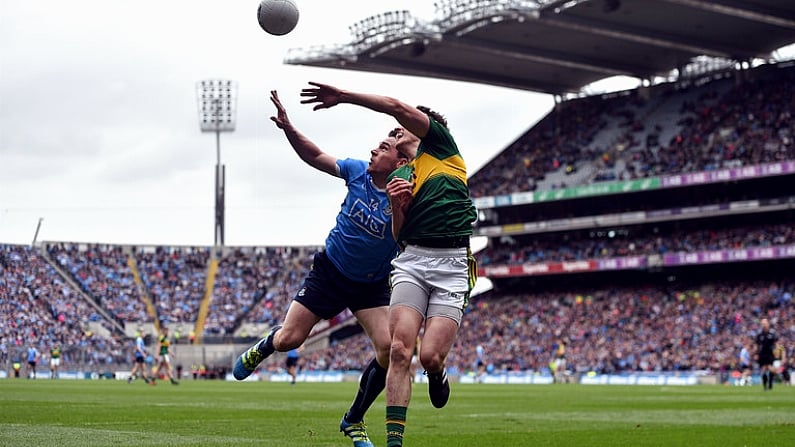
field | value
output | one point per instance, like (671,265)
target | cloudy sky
(99,133)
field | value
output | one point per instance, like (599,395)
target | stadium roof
(559,46)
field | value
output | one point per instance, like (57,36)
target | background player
(140,359)
(33,358)
(164,358)
(765,342)
(55,360)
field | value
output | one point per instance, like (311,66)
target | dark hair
(436,116)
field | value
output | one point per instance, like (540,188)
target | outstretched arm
(303,146)
(325,96)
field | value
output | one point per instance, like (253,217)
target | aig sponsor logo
(362,216)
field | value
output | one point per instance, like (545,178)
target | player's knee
(382,346)
(399,354)
(287,339)
(431,361)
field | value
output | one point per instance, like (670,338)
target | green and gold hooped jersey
(55,353)
(441,205)
(164,344)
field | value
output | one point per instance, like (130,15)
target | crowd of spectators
(255,285)
(652,328)
(175,278)
(748,124)
(38,308)
(558,141)
(699,327)
(103,272)
(633,241)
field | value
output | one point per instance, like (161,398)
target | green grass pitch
(216,413)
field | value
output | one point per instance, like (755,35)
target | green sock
(395,424)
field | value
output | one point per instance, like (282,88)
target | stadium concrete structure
(559,46)
(680,192)
(682,51)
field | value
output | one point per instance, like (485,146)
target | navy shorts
(327,292)
(765,359)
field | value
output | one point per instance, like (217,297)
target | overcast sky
(99,131)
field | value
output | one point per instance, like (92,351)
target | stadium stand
(175,278)
(651,228)
(255,285)
(41,308)
(104,273)
(726,123)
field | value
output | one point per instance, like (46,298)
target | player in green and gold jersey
(164,358)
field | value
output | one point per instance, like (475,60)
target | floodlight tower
(217,104)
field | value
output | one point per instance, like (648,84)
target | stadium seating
(648,318)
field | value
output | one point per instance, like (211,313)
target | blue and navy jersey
(361,245)
(139,347)
(293,354)
(32,354)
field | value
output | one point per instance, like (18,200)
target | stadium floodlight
(217,100)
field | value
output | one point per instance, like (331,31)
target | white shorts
(165,358)
(444,275)
(55,362)
(560,363)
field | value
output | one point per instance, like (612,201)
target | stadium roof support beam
(417,69)
(640,36)
(515,52)
(733,9)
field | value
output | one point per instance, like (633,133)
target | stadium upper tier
(741,118)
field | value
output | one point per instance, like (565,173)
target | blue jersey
(293,353)
(139,347)
(361,245)
(745,357)
(32,354)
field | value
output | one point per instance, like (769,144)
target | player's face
(385,158)
(407,142)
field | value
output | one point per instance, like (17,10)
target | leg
(298,322)
(375,324)
(440,334)
(763,373)
(170,374)
(404,325)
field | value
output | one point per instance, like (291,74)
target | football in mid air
(277,17)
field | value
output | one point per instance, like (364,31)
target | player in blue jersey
(291,364)
(351,272)
(140,359)
(33,358)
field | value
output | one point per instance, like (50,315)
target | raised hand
(280,118)
(323,95)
